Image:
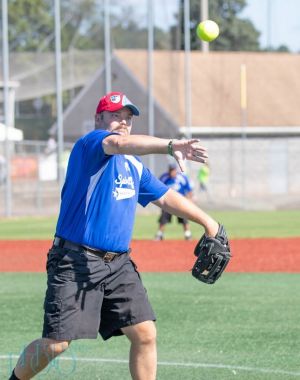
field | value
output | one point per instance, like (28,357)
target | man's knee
(148,338)
(142,333)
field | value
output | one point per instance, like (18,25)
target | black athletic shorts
(165,218)
(86,295)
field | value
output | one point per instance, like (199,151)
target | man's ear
(99,116)
(97,121)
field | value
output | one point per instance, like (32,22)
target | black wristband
(170,148)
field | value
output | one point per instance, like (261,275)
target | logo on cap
(115,98)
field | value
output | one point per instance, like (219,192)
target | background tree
(28,21)
(236,34)
(31,23)
(126,32)
(31,26)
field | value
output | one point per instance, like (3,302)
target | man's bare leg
(37,355)
(143,354)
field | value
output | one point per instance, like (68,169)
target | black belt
(107,256)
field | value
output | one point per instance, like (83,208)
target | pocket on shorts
(54,257)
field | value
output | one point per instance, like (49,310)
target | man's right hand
(188,150)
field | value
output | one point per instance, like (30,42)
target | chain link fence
(255,173)
(34,177)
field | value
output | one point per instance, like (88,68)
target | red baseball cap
(114,101)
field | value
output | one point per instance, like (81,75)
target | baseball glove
(213,255)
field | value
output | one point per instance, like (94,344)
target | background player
(179,182)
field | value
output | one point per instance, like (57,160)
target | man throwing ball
(93,286)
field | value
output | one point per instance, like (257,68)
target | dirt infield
(249,255)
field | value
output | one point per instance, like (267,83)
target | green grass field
(239,224)
(244,327)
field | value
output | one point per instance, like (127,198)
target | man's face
(118,121)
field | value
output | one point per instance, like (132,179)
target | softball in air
(208,30)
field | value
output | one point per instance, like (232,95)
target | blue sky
(282,27)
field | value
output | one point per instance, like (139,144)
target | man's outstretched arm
(139,145)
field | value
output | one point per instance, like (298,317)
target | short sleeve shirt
(100,195)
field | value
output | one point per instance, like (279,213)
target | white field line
(174,364)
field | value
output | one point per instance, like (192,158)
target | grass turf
(239,224)
(244,327)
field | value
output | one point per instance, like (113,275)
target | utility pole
(107,47)
(150,79)
(59,102)
(204,16)
(5,66)
(187,68)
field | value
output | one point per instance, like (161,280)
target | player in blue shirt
(179,182)
(93,286)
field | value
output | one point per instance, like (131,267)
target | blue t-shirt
(100,195)
(180,183)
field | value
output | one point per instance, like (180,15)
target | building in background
(269,140)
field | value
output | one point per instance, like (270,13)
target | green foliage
(135,38)
(29,21)
(236,34)
(31,26)
(279,49)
